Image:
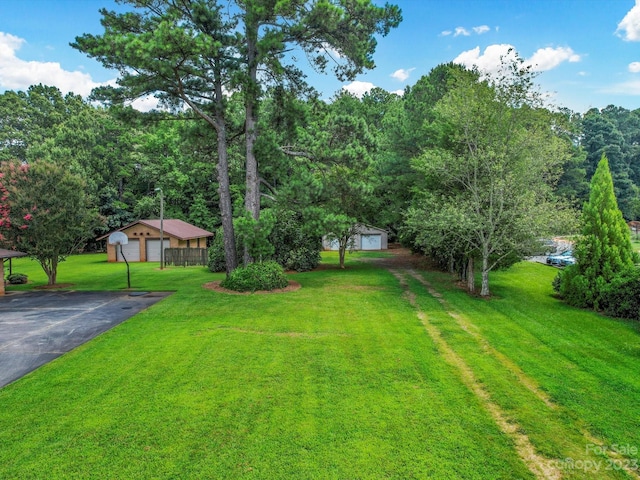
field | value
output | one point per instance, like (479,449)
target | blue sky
(587,52)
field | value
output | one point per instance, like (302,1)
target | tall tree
(183,52)
(340,33)
(44,212)
(496,159)
(604,250)
(192,51)
(602,134)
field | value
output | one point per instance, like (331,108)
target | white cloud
(18,74)
(549,58)
(398,92)
(328,49)
(146,103)
(359,88)
(8,45)
(458,31)
(634,67)
(481,29)
(629,27)
(402,74)
(490,61)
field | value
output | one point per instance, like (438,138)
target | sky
(586,52)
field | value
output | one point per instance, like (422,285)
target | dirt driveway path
(36,327)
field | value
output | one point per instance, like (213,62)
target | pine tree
(604,250)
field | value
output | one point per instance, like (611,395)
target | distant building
(144,239)
(367,238)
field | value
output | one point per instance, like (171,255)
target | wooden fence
(181,257)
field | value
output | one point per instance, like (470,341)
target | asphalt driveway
(36,327)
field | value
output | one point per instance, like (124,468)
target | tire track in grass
(541,467)
(614,457)
(472,330)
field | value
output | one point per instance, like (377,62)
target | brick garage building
(144,239)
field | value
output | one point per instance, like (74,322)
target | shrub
(17,279)
(621,297)
(603,252)
(256,276)
(217,262)
(574,287)
(301,259)
(296,248)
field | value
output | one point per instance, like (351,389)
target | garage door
(153,249)
(371,242)
(131,251)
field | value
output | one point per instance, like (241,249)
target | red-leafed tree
(44,211)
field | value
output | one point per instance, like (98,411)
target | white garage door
(371,242)
(153,249)
(334,244)
(131,251)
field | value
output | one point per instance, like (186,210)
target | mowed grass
(336,380)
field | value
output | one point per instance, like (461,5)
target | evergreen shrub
(621,297)
(256,276)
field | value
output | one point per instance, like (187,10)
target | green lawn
(339,379)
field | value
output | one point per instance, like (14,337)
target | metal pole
(161,228)
(125,261)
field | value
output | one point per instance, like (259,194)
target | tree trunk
(342,250)
(252,180)
(485,274)
(224,188)
(50,267)
(471,278)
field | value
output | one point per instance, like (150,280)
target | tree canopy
(196,52)
(44,212)
(489,175)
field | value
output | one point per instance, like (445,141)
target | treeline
(123,154)
(332,163)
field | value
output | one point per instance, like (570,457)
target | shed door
(371,242)
(131,251)
(153,249)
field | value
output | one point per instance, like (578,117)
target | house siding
(143,233)
(357,239)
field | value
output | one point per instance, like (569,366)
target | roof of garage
(172,227)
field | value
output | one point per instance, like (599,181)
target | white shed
(367,237)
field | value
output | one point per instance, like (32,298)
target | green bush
(301,259)
(296,248)
(256,276)
(574,288)
(17,279)
(621,297)
(217,262)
